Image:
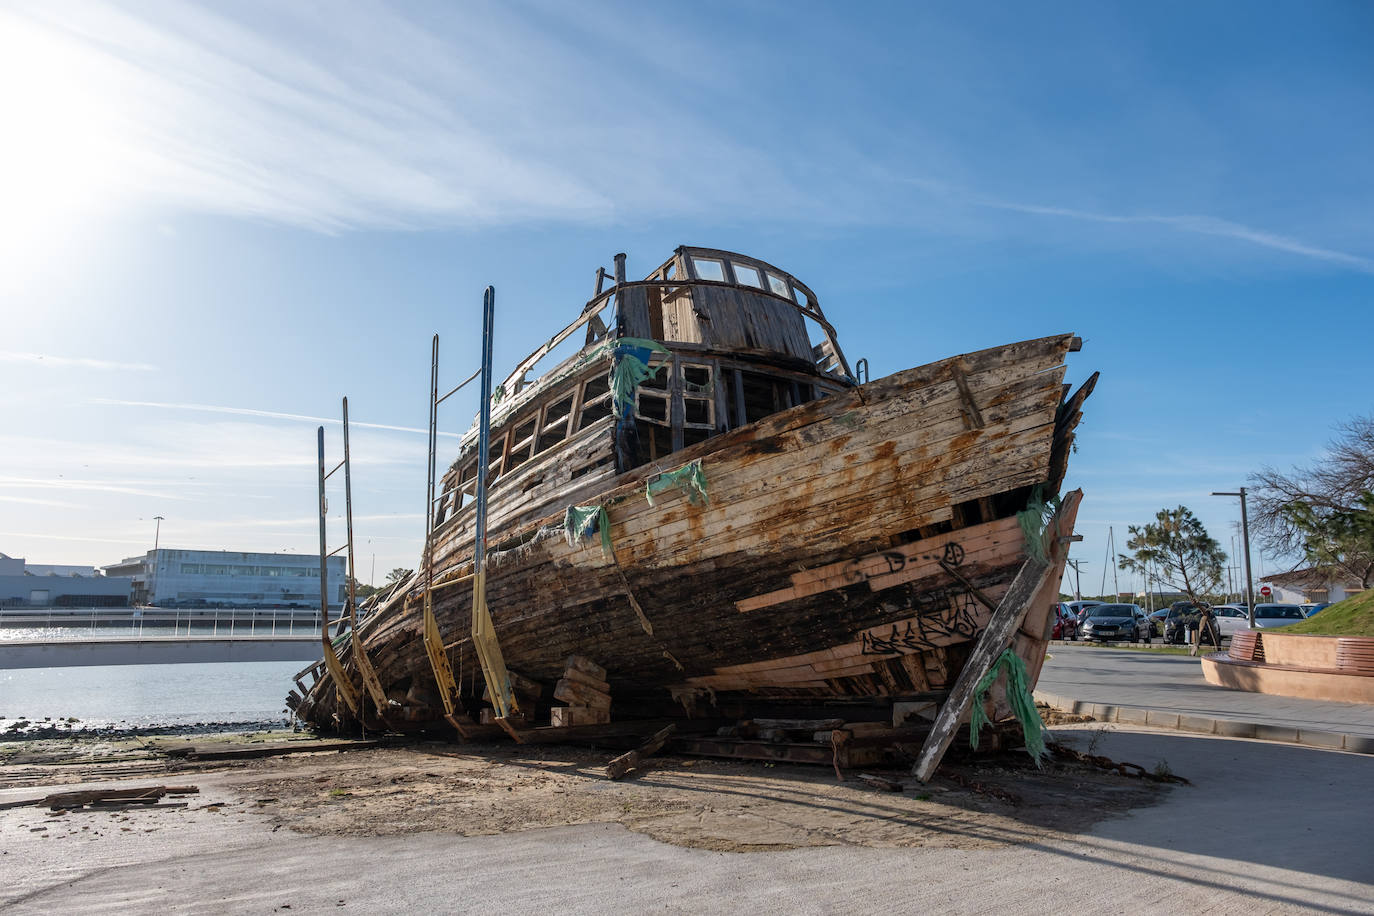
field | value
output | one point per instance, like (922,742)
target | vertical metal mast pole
(434,642)
(348,512)
(324,551)
(483,630)
(479,559)
(331,658)
(369,673)
(429,479)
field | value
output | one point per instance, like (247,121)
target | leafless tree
(1286,506)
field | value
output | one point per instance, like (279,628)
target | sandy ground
(448,828)
(473,790)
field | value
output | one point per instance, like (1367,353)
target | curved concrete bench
(1339,668)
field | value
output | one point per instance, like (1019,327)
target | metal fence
(165,621)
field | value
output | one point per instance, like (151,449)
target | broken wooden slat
(271,750)
(626,762)
(879,782)
(81,798)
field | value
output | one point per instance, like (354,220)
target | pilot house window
(698,397)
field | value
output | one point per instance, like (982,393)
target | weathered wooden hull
(847,548)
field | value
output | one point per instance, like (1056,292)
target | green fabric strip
(581,522)
(1021,700)
(1034,518)
(690,479)
(630,367)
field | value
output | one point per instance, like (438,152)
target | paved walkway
(1147,688)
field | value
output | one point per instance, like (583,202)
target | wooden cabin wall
(633,315)
(680,323)
(737,319)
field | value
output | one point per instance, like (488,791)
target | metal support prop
(331,658)
(369,673)
(483,629)
(434,641)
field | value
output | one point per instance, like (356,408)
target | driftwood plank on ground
(627,762)
(143,795)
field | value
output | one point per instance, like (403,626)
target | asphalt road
(1175,683)
(1265,828)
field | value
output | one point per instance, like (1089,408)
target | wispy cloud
(82,538)
(368,118)
(266,414)
(308,521)
(51,361)
(31,501)
(1200,225)
(95,486)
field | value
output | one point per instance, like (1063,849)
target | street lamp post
(157,532)
(1245,537)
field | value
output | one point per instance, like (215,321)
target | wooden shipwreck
(701,512)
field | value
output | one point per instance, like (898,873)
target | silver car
(1231,619)
(1116,621)
(1277,615)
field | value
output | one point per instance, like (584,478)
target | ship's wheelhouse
(722,340)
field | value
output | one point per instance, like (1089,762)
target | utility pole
(1116,583)
(1077,579)
(157,532)
(1245,538)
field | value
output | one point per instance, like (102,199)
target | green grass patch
(1351,617)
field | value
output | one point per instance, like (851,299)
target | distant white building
(206,578)
(1311,586)
(24,584)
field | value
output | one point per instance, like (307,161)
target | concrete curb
(1205,725)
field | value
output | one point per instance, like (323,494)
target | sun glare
(63,160)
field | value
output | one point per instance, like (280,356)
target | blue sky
(222,217)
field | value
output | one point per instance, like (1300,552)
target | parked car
(1310,609)
(1231,619)
(1116,621)
(1080,610)
(1065,623)
(1184,617)
(1156,619)
(1268,616)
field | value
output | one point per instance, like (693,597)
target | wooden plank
(575,694)
(975,416)
(587,680)
(991,643)
(569,716)
(78,799)
(586,666)
(626,762)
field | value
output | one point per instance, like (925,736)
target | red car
(1065,623)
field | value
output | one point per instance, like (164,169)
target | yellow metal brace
(493,662)
(336,671)
(443,671)
(369,673)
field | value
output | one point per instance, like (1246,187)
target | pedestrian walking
(1206,629)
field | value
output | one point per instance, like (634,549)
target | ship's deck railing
(516,381)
